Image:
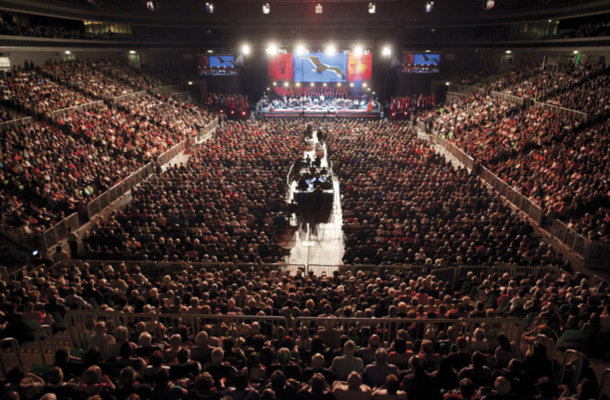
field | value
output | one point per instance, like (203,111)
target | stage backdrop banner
(280,67)
(225,61)
(320,67)
(359,68)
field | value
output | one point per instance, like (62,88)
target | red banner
(280,67)
(359,68)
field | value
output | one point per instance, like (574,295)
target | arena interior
(299,199)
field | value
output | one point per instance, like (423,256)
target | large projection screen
(320,67)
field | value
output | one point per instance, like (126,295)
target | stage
(316,112)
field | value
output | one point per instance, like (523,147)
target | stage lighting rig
(209,7)
(266,8)
(319,8)
(429,6)
(387,51)
(372,8)
(152,5)
(330,49)
(271,49)
(245,49)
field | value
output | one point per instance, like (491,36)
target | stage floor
(318,112)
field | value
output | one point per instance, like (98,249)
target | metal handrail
(80,322)
(567,355)
(48,332)
(15,346)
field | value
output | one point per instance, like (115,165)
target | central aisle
(319,238)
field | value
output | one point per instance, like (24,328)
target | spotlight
(266,8)
(508,52)
(243,113)
(429,6)
(152,5)
(369,89)
(190,83)
(372,8)
(286,84)
(351,84)
(387,51)
(68,52)
(311,84)
(210,51)
(271,49)
(319,8)
(427,51)
(132,52)
(245,49)
(447,83)
(358,50)
(274,83)
(298,84)
(209,7)
(364,85)
(575,51)
(301,49)
(373,92)
(232,112)
(324,84)
(330,49)
(268,89)
(339,84)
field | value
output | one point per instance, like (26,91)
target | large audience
(50,171)
(330,359)
(227,204)
(13,28)
(540,83)
(403,203)
(32,92)
(553,159)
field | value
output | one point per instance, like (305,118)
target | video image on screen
(217,65)
(320,67)
(421,63)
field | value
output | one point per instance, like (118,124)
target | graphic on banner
(320,67)
(359,68)
(280,67)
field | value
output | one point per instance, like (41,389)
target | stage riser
(319,115)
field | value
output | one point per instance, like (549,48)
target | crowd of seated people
(56,32)
(590,97)
(403,203)
(226,204)
(96,79)
(547,157)
(31,91)
(533,82)
(6,114)
(229,101)
(330,359)
(48,173)
(586,30)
